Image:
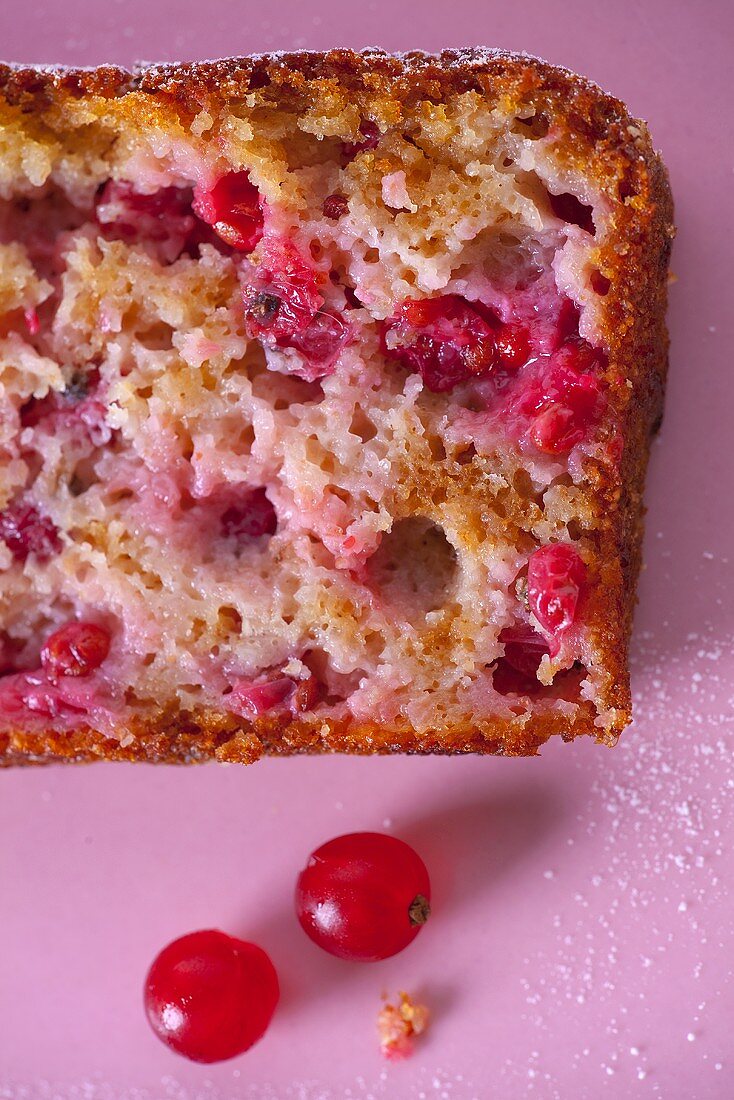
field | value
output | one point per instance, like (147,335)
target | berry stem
(419,910)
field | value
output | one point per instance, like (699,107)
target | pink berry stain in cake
(248,515)
(277,696)
(27,531)
(163,218)
(245,397)
(77,411)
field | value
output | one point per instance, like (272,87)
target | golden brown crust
(615,153)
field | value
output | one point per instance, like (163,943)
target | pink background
(582,938)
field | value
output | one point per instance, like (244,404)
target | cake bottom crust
(177,739)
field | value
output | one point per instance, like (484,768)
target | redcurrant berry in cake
(370,139)
(565,401)
(284,307)
(556,580)
(25,531)
(363,896)
(513,346)
(210,996)
(32,321)
(233,207)
(448,340)
(335,206)
(77,649)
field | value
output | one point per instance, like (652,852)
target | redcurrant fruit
(210,996)
(363,896)
(76,649)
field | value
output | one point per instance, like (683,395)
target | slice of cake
(327,383)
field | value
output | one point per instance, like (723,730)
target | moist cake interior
(298,422)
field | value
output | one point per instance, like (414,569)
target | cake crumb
(397,1026)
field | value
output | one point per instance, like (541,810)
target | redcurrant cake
(327,383)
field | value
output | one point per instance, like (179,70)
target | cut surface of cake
(326,390)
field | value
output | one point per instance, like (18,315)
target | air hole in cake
(157,338)
(568,208)
(243,440)
(245,514)
(414,569)
(466,455)
(599,283)
(83,478)
(437,446)
(525,488)
(289,390)
(516,672)
(534,126)
(627,188)
(229,622)
(311,151)
(362,426)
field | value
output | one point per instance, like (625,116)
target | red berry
(210,996)
(320,343)
(363,896)
(284,308)
(335,207)
(448,340)
(565,414)
(513,346)
(233,207)
(249,518)
(285,296)
(570,209)
(77,649)
(564,401)
(567,322)
(556,579)
(371,135)
(27,531)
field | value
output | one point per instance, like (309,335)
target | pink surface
(582,937)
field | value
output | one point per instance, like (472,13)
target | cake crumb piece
(397,1026)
